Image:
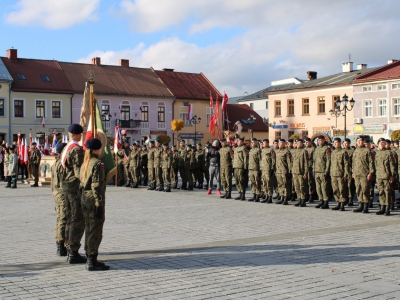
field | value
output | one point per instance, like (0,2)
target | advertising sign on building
(279,126)
(297,125)
(322,129)
(368,129)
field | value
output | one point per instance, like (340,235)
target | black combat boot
(371,204)
(294,197)
(184,186)
(325,205)
(161,188)
(337,207)
(365,210)
(280,200)
(253,198)
(128,184)
(14,183)
(152,187)
(61,250)
(257,198)
(276,197)
(264,199)
(310,199)
(32,185)
(190,188)
(75,258)
(224,196)
(243,196)
(136,185)
(228,196)
(298,202)
(200,186)
(269,200)
(303,203)
(285,201)
(360,208)
(239,197)
(8,182)
(381,211)
(262,194)
(350,203)
(387,213)
(320,205)
(175,186)
(93,264)
(342,206)
(168,190)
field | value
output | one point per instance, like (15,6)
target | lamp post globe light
(195,120)
(345,101)
(252,120)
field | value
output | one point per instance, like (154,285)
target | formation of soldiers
(285,171)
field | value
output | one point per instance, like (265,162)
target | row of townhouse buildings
(142,101)
(307,107)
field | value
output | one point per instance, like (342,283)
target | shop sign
(279,126)
(155,132)
(322,129)
(57,130)
(368,129)
(191,135)
(298,125)
(144,132)
(340,132)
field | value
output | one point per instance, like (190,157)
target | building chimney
(12,55)
(390,61)
(124,62)
(311,75)
(168,70)
(96,61)
(361,66)
(347,67)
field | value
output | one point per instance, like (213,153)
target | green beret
(12,147)
(157,140)
(198,144)
(189,145)
(173,146)
(207,146)
(34,144)
(151,142)
(165,144)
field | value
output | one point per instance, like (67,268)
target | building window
(396,106)
(161,114)
(381,87)
(266,104)
(304,134)
(290,133)
(1,107)
(334,100)
(21,76)
(45,78)
(208,116)
(125,112)
(252,105)
(368,108)
(145,113)
(381,107)
(40,108)
(278,135)
(367,88)
(306,106)
(290,107)
(395,86)
(278,108)
(321,105)
(18,108)
(56,109)
(183,114)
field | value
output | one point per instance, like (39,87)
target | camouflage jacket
(190,160)
(322,159)
(240,158)
(363,162)
(134,159)
(283,161)
(310,151)
(385,164)
(157,157)
(166,159)
(268,159)
(254,159)
(120,156)
(300,161)
(175,159)
(182,156)
(340,163)
(73,163)
(225,157)
(35,157)
(200,155)
(56,171)
(150,158)
(95,182)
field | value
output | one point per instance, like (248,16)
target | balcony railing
(145,125)
(128,123)
(160,125)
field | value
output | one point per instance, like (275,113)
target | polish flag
(117,139)
(43,122)
(211,101)
(190,112)
(224,101)
(21,153)
(26,153)
(88,135)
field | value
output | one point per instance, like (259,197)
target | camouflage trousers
(267,183)
(174,175)
(93,226)
(127,173)
(35,172)
(255,181)
(189,176)
(166,174)
(73,209)
(152,175)
(300,186)
(310,182)
(61,222)
(385,192)
(135,174)
(339,189)
(159,175)
(284,185)
(351,188)
(240,180)
(120,174)
(225,173)
(362,188)
(321,186)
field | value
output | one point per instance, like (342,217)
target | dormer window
(45,78)
(21,76)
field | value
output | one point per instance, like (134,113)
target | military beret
(198,144)
(347,140)
(307,140)
(157,140)
(222,140)
(235,146)
(173,146)
(266,140)
(165,144)
(282,140)
(12,147)
(388,141)
(207,146)
(93,144)
(34,144)
(60,147)
(137,142)
(254,140)
(321,137)
(381,139)
(189,145)
(126,141)
(337,139)
(182,141)
(276,141)
(144,146)
(360,137)
(299,141)
(151,142)
(367,140)
(290,140)
(75,129)
(241,139)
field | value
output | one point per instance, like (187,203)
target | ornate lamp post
(251,119)
(345,101)
(335,113)
(195,120)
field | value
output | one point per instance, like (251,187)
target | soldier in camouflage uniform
(71,160)
(200,155)
(225,169)
(350,181)
(363,169)
(267,166)
(310,174)
(393,185)
(255,170)
(190,163)
(322,164)
(240,164)
(166,163)
(181,164)
(157,166)
(134,163)
(127,172)
(340,172)
(120,167)
(300,171)
(283,172)
(93,182)
(385,166)
(34,161)
(292,148)
(143,166)
(174,167)
(59,200)
(151,153)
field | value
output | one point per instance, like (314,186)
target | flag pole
(92,104)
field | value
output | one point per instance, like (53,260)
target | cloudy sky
(241,46)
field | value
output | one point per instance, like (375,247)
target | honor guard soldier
(174,167)
(310,175)
(59,200)
(190,162)
(166,164)
(363,169)
(386,172)
(322,164)
(71,160)
(283,172)
(225,170)
(134,163)
(34,161)
(240,164)
(143,166)
(350,181)
(300,171)
(127,173)
(267,165)
(340,172)
(254,170)
(151,153)
(181,164)
(213,156)
(157,165)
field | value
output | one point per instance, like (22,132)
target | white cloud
(53,14)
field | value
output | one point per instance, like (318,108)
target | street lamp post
(195,120)
(335,113)
(345,101)
(252,119)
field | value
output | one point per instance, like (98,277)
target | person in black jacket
(214,157)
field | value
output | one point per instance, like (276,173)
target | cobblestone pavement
(189,245)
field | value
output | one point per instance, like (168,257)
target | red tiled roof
(237,112)
(32,69)
(188,85)
(116,80)
(390,71)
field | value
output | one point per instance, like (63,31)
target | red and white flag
(26,153)
(46,143)
(117,139)
(88,135)
(19,143)
(225,100)
(190,112)
(211,101)
(21,153)
(43,122)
